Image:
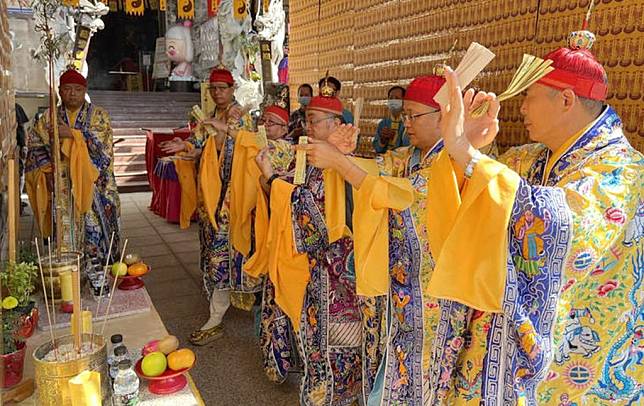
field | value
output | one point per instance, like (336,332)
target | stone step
(134,150)
(135,185)
(129,167)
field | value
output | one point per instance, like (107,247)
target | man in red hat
(275,120)
(248,217)
(338,327)
(414,315)
(547,241)
(92,206)
(218,259)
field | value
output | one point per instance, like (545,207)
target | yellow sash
(209,179)
(243,190)
(187,175)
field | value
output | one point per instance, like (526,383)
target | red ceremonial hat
(327,104)
(278,112)
(576,67)
(221,75)
(423,89)
(71,76)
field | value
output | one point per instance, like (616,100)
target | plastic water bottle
(117,341)
(126,386)
(120,354)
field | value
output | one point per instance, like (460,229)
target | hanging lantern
(71,3)
(162,5)
(266,4)
(185,9)
(134,7)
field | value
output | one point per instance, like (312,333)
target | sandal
(203,337)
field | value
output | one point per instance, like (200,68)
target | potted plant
(13,354)
(18,281)
(19,317)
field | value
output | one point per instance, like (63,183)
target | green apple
(119,269)
(154,364)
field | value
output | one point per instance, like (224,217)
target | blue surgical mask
(395,105)
(304,100)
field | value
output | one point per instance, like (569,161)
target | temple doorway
(121,54)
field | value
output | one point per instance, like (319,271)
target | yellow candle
(86,317)
(66,286)
(85,389)
(87,322)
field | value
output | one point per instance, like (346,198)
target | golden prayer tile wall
(371,45)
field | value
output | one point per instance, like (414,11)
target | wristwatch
(469,169)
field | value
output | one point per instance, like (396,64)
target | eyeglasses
(412,117)
(269,123)
(309,123)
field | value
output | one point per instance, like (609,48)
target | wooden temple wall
(371,45)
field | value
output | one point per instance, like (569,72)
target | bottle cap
(125,364)
(116,338)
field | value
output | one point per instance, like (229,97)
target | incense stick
(76,303)
(51,281)
(44,289)
(109,303)
(105,268)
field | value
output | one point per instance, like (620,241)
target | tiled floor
(229,370)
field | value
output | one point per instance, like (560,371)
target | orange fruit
(137,269)
(180,359)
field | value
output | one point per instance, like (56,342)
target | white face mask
(395,105)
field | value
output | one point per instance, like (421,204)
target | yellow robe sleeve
(370,221)
(187,175)
(288,270)
(470,267)
(243,190)
(372,201)
(40,197)
(209,179)
(82,171)
(257,264)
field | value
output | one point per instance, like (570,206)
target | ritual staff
(223,280)
(331,283)
(548,241)
(90,209)
(414,316)
(390,133)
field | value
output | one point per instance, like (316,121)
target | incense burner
(52,377)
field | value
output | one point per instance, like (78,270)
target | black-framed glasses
(412,117)
(308,123)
